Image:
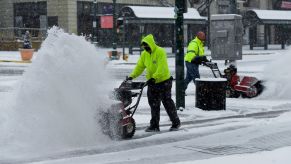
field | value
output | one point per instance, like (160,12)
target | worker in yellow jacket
(154,60)
(194,57)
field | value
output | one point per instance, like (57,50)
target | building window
(30,15)
(52,21)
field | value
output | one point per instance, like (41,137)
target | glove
(128,78)
(204,59)
(196,60)
(151,81)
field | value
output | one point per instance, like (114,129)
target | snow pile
(55,104)
(277,77)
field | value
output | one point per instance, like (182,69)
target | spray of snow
(56,102)
(277,77)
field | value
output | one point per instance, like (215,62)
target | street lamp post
(114,44)
(95,42)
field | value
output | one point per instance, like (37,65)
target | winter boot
(175,127)
(152,129)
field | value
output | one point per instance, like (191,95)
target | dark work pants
(192,73)
(158,93)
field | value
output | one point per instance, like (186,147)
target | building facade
(76,16)
(64,13)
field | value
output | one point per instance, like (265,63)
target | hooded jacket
(195,48)
(155,63)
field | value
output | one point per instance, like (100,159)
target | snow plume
(56,101)
(277,77)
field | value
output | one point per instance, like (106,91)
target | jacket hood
(149,39)
(198,40)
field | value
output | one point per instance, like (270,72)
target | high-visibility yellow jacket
(155,63)
(195,48)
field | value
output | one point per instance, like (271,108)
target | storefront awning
(271,17)
(160,15)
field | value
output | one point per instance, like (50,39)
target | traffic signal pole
(180,8)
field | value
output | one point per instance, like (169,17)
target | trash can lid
(211,79)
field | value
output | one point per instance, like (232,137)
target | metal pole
(234,7)
(179,60)
(123,35)
(95,42)
(266,33)
(114,44)
(208,24)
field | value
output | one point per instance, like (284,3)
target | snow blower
(118,121)
(245,86)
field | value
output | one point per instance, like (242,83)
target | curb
(15,61)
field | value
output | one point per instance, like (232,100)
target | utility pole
(114,44)
(180,8)
(95,33)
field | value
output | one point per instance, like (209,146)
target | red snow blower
(118,121)
(245,86)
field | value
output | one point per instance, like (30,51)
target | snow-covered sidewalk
(49,112)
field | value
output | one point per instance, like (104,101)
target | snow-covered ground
(49,113)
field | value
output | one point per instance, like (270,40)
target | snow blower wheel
(128,130)
(253,91)
(117,122)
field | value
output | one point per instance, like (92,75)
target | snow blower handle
(210,65)
(126,83)
(214,68)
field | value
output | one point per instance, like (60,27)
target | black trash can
(210,93)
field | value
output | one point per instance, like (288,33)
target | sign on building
(286,5)
(106,21)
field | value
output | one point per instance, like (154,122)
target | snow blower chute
(118,121)
(245,86)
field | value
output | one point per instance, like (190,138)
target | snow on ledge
(163,12)
(273,14)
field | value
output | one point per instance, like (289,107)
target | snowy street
(193,142)
(48,111)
